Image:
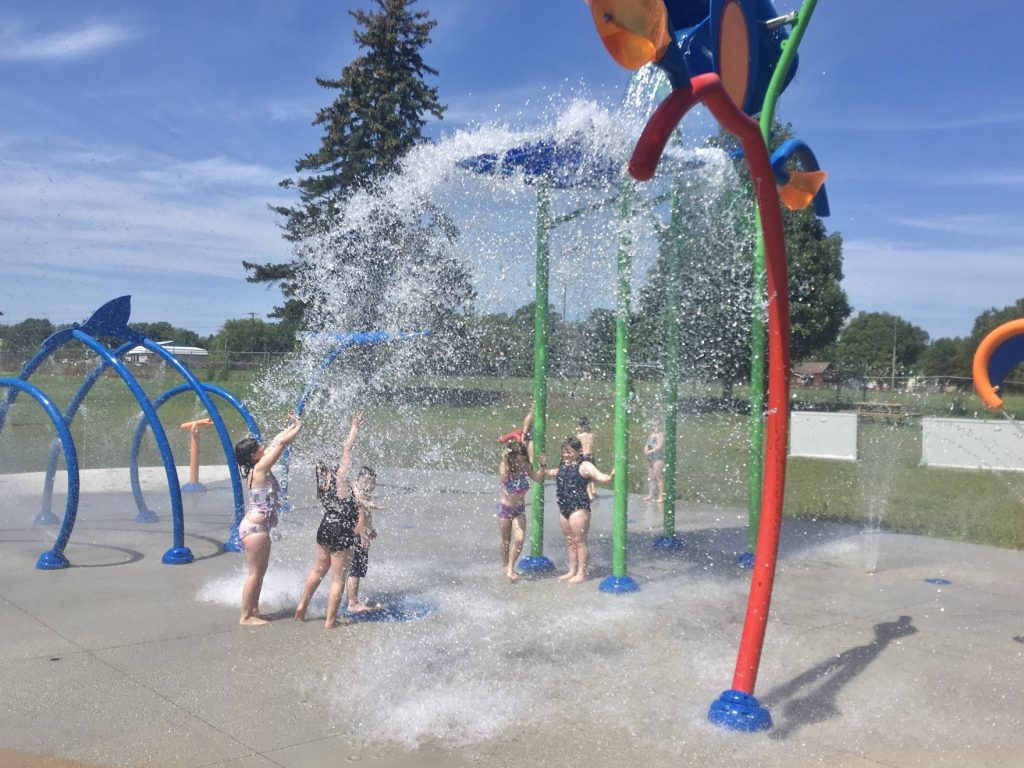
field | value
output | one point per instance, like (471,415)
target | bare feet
(362,607)
(253,621)
(512,576)
(660,499)
(578,578)
(300,613)
(647,498)
(330,624)
(567,576)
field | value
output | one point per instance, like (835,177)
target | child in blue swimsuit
(571,479)
(514,473)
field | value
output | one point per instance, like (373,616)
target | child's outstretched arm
(591,472)
(273,450)
(542,469)
(350,441)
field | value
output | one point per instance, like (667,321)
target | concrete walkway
(123,661)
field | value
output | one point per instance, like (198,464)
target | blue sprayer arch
(145,515)
(111,320)
(54,558)
(342,341)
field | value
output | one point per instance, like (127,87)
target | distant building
(813,374)
(191,356)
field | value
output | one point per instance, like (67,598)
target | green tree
(818,304)
(251,335)
(946,357)
(991,319)
(21,340)
(880,344)
(164,331)
(376,118)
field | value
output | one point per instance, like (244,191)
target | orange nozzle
(635,32)
(799,191)
(197,423)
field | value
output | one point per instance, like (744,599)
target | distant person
(342,522)
(572,476)
(586,437)
(261,512)
(514,475)
(654,453)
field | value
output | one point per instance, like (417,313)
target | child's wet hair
(367,471)
(244,449)
(584,424)
(573,443)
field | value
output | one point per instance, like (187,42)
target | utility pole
(892,373)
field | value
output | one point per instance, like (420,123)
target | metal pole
(674,256)
(619,582)
(537,562)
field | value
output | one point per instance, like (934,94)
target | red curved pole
(708,89)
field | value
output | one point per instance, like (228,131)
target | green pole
(540,365)
(674,254)
(619,581)
(757,330)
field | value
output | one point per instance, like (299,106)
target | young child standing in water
(366,482)
(344,520)
(514,475)
(255,461)
(571,478)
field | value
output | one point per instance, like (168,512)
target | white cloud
(16,44)
(941,289)
(973,225)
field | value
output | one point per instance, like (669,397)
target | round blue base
(234,544)
(177,556)
(193,488)
(745,560)
(535,566)
(52,561)
(146,516)
(619,585)
(739,711)
(669,544)
(394,608)
(46,519)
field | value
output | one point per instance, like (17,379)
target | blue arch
(54,558)
(232,545)
(342,342)
(178,553)
(46,516)
(111,320)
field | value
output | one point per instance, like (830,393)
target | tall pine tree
(376,118)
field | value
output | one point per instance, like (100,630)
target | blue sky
(141,142)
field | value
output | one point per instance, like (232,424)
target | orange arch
(979,370)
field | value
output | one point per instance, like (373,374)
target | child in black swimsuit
(342,522)
(571,479)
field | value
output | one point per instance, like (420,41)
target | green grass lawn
(886,487)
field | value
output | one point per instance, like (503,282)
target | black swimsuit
(571,489)
(338,528)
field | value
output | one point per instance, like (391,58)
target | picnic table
(882,411)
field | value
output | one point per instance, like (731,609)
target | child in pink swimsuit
(255,461)
(515,474)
